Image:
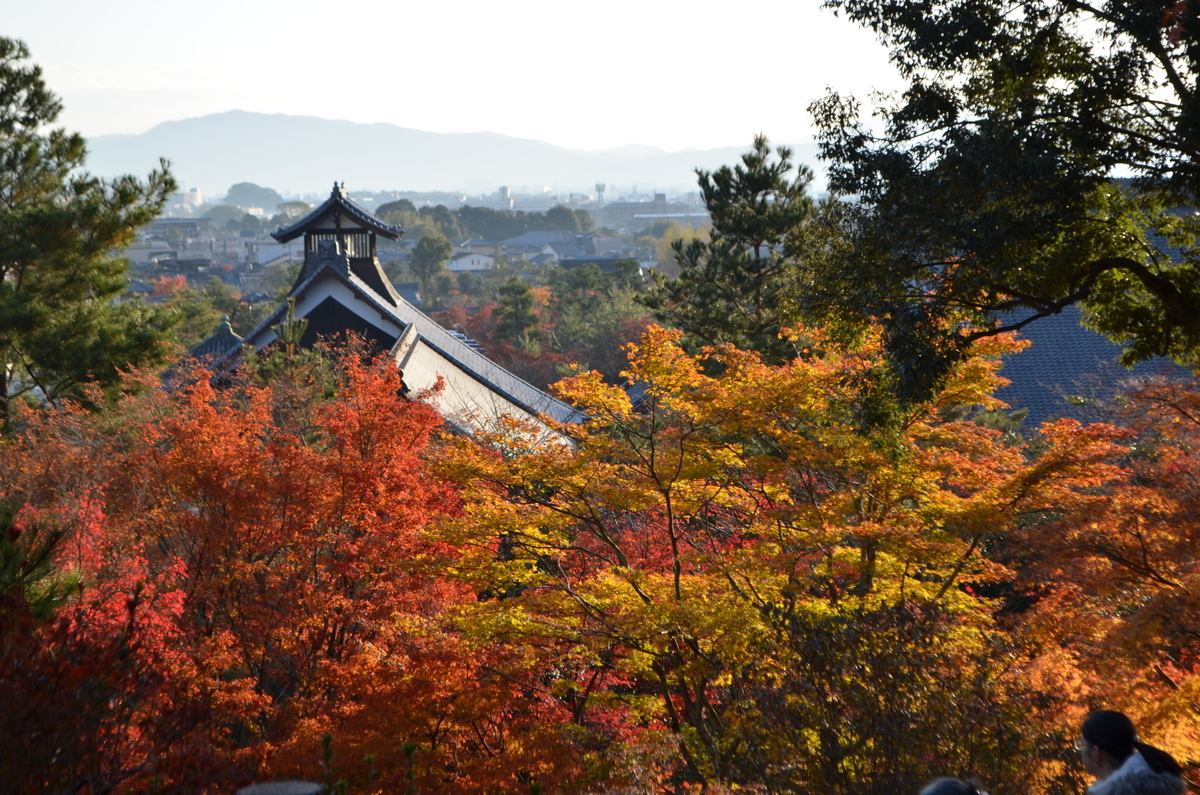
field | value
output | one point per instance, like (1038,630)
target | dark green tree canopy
(984,193)
(393,211)
(586,288)
(446,219)
(741,286)
(59,325)
(496,225)
(429,257)
(562,219)
(222,214)
(518,323)
(288,213)
(490,224)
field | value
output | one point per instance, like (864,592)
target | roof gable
(336,295)
(338,211)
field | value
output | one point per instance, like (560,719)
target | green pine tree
(741,286)
(518,322)
(429,258)
(60,326)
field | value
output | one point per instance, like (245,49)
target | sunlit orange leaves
(658,545)
(278,551)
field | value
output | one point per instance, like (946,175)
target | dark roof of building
(339,200)
(450,345)
(628,205)
(220,343)
(566,249)
(410,291)
(594,244)
(1066,367)
(540,239)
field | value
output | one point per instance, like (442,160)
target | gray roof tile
(1065,360)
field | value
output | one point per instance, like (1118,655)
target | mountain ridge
(303,154)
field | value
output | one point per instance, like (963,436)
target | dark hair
(1113,733)
(952,786)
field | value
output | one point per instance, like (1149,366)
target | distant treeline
(481,222)
(466,222)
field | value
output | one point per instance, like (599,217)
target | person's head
(1108,739)
(952,786)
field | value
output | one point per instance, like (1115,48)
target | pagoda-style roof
(220,343)
(468,389)
(323,218)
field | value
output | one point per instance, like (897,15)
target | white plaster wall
(323,289)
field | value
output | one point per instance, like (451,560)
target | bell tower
(342,232)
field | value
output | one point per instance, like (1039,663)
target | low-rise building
(470,261)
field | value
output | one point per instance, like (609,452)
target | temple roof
(414,326)
(220,343)
(338,201)
(1068,368)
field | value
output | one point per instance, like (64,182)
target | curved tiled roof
(1068,360)
(341,199)
(220,343)
(447,343)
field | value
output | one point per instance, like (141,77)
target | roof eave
(286,233)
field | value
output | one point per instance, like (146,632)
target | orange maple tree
(1114,585)
(731,581)
(277,553)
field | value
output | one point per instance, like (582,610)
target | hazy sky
(581,75)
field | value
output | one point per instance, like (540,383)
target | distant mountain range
(304,154)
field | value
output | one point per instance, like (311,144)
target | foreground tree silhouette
(59,325)
(985,189)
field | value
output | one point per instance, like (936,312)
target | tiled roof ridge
(218,344)
(339,197)
(441,340)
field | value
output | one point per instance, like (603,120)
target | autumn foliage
(1117,580)
(731,579)
(262,564)
(686,553)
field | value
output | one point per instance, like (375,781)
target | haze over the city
(584,76)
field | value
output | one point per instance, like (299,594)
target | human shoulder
(1135,777)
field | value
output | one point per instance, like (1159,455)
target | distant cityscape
(186,241)
(626,211)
